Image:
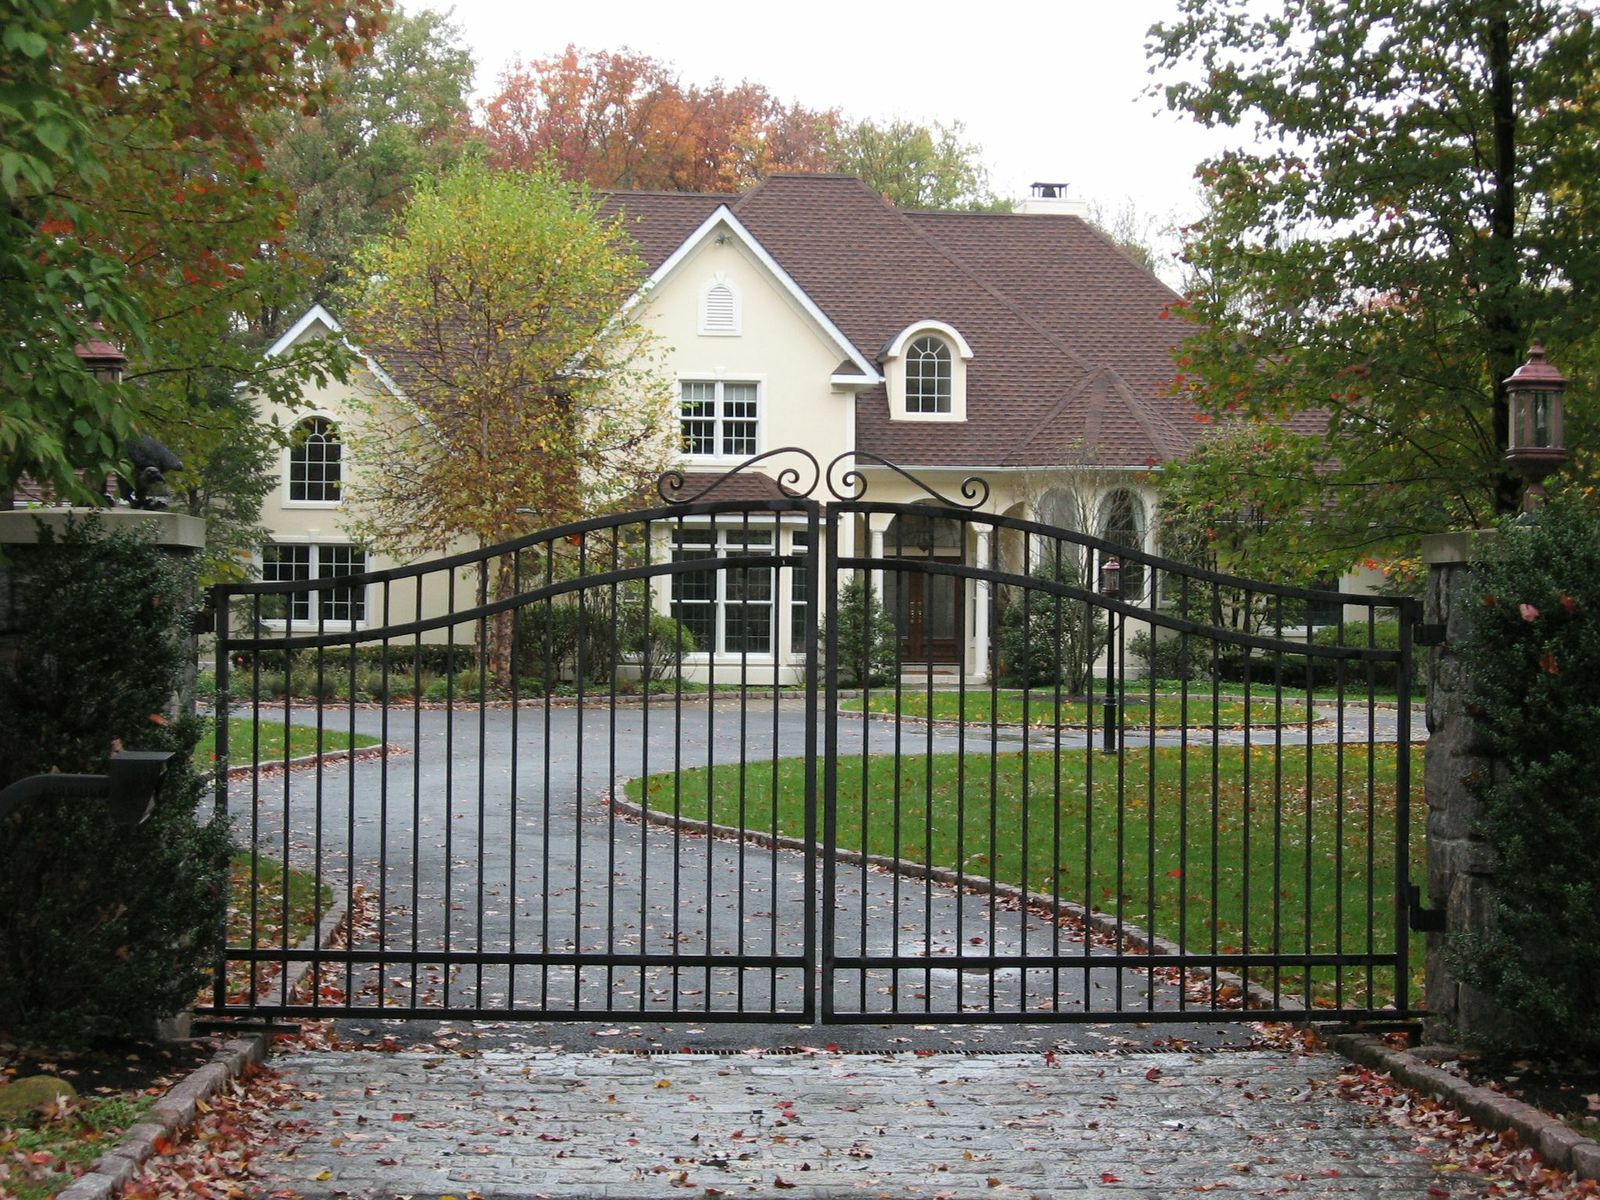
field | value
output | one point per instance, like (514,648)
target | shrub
(1530,668)
(1045,640)
(868,641)
(103,929)
(660,651)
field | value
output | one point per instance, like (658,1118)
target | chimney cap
(1049,191)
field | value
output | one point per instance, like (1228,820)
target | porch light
(1110,577)
(1534,440)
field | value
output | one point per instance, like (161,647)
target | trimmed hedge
(103,929)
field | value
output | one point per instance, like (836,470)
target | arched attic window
(316,462)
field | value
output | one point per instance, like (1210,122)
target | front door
(929,616)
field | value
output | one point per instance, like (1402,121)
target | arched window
(928,376)
(1122,524)
(315,461)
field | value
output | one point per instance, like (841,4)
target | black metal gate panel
(500,844)
(880,760)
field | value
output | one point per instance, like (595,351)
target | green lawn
(40,1155)
(242,741)
(1274,871)
(1012,706)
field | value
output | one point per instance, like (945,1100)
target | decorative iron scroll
(852,484)
(671,485)
(849,484)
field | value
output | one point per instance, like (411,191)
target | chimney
(1051,198)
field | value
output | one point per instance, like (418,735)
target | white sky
(1049,92)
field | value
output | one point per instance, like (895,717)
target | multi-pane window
(719,419)
(284,564)
(315,460)
(728,609)
(797,595)
(928,376)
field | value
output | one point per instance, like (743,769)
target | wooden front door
(929,616)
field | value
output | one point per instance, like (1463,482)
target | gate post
(1459,861)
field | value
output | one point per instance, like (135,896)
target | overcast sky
(1053,92)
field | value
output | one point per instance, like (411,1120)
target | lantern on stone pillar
(1534,445)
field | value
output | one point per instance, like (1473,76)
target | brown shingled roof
(1071,352)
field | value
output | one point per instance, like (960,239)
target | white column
(980,611)
(876,536)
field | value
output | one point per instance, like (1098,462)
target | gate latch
(1422,920)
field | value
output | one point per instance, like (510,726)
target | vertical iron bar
(814,583)
(222,605)
(830,756)
(1406,614)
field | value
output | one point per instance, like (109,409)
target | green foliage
(916,166)
(1419,201)
(563,641)
(868,641)
(1530,670)
(393,115)
(103,929)
(1046,640)
(54,416)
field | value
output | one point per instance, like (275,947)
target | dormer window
(928,376)
(925,370)
(719,308)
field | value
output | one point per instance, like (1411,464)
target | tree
(54,417)
(916,166)
(393,115)
(1422,200)
(625,120)
(156,217)
(529,392)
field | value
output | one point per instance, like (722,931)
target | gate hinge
(1428,635)
(1422,920)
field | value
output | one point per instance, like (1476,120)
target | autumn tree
(1422,198)
(625,120)
(54,417)
(616,119)
(158,217)
(530,394)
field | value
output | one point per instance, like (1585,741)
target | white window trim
(894,358)
(720,378)
(285,466)
(311,624)
(720,279)
(719,606)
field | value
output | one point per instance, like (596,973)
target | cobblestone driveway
(505,1124)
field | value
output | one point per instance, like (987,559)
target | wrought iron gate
(601,772)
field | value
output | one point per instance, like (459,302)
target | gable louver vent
(721,310)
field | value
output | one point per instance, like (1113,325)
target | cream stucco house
(1024,347)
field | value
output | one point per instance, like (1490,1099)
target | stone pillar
(1458,860)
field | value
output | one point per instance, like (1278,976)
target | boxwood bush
(103,929)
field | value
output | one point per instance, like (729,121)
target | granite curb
(171,1115)
(1559,1145)
(175,1111)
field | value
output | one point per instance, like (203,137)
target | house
(1023,347)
